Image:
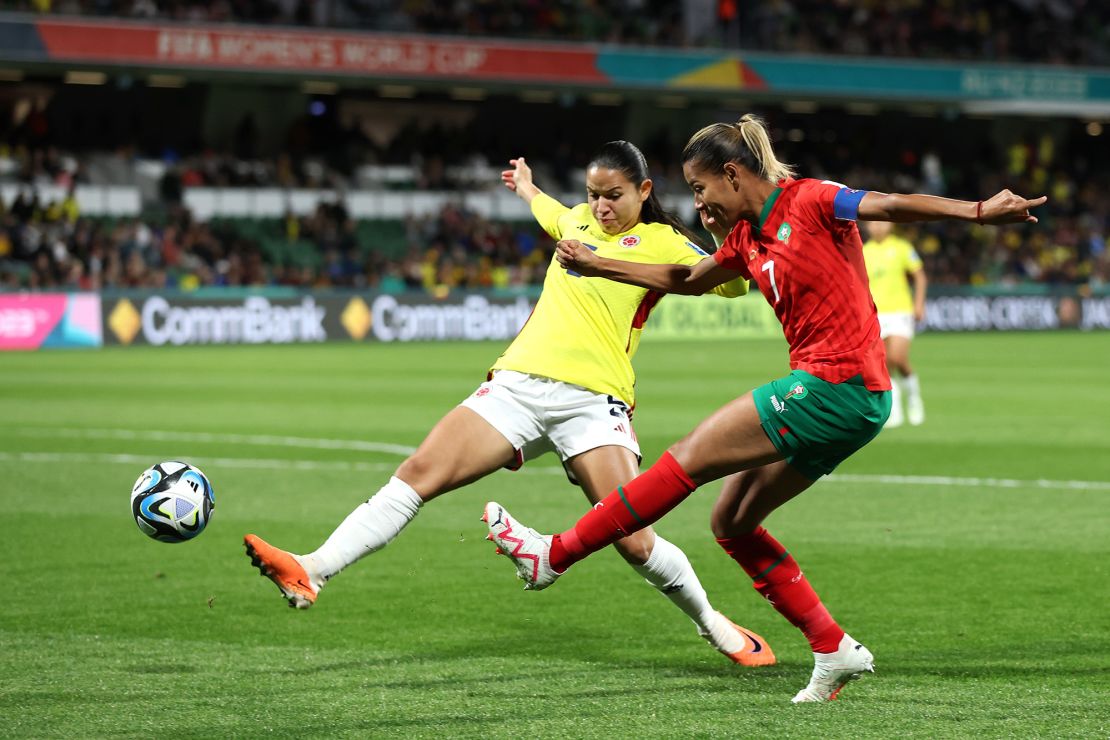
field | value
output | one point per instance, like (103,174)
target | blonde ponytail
(745,142)
(754,133)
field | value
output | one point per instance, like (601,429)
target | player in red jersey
(798,240)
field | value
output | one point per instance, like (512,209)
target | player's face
(614,199)
(714,195)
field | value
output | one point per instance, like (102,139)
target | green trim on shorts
(620,490)
(815,424)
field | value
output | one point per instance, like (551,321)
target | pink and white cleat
(527,548)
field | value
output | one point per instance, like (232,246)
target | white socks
(914,409)
(669,570)
(367,529)
(897,417)
(913,389)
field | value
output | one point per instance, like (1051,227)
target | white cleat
(915,411)
(831,671)
(895,420)
(528,549)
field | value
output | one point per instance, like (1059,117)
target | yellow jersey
(584,331)
(889,262)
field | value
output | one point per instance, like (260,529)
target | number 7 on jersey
(769,266)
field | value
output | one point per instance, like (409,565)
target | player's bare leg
(730,440)
(460,449)
(664,565)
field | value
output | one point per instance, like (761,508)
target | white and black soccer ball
(172,501)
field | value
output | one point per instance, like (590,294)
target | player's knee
(684,452)
(742,523)
(423,474)
(721,525)
(635,549)
(733,520)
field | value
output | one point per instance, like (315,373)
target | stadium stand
(1058,32)
(98,191)
(436,234)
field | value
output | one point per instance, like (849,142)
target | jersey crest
(783,234)
(629,241)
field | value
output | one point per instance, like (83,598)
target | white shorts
(539,415)
(896,325)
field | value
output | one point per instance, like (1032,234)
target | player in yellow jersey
(891,264)
(565,384)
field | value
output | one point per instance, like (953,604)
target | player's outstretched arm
(685,279)
(519,180)
(1003,208)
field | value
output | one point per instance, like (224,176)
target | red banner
(233,48)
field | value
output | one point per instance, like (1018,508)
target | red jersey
(807,258)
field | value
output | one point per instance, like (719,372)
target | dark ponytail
(625,158)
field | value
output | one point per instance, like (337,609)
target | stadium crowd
(1056,31)
(48,245)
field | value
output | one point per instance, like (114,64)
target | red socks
(630,508)
(777,577)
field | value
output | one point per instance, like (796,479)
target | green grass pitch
(981,591)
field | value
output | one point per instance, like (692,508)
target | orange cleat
(284,569)
(755,653)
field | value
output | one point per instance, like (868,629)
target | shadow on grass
(163,669)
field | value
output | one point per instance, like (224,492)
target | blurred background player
(797,238)
(565,384)
(892,263)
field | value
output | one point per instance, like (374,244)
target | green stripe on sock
(632,511)
(771,567)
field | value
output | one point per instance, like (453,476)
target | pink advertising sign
(34,320)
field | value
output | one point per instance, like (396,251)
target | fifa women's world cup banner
(46,320)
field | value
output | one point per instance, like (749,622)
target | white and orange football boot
(741,645)
(286,571)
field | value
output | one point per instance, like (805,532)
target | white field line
(216,462)
(947,480)
(342,466)
(357,445)
(261,440)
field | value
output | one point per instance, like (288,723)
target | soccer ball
(172,502)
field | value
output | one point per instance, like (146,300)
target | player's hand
(919,314)
(520,175)
(1008,208)
(574,255)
